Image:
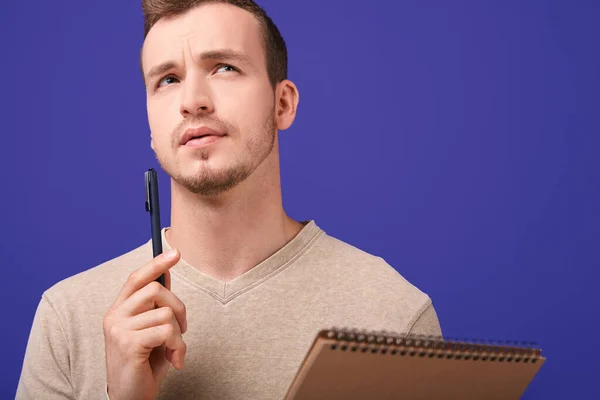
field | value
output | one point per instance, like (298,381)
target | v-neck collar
(277,262)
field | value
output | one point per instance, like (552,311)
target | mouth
(202,141)
(200,135)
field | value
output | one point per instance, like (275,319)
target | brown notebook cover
(349,364)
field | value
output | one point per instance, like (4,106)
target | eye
(167,80)
(227,68)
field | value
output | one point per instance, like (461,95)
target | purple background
(456,139)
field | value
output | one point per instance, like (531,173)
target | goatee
(210,182)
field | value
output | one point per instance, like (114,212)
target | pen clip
(148,203)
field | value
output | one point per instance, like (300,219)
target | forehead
(212,26)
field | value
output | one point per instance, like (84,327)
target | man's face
(214,75)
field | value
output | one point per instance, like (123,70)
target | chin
(203,163)
(212,181)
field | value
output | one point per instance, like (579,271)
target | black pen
(152,206)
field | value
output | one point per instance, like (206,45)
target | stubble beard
(211,182)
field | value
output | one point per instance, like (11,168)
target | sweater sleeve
(46,373)
(427,323)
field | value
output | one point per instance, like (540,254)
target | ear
(287,99)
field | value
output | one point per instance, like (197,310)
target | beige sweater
(246,338)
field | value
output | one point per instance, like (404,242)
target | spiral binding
(382,342)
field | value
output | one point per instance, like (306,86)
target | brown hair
(275,47)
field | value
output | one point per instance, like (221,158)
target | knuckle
(154,288)
(169,330)
(114,333)
(180,309)
(134,278)
(107,322)
(167,314)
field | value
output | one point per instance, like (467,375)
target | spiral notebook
(350,364)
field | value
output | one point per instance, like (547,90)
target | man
(248,288)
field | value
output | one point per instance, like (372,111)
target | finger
(152,318)
(155,317)
(151,296)
(163,334)
(169,356)
(168,280)
(148,273)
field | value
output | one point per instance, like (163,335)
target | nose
(195,98)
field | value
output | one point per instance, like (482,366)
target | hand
(142,332)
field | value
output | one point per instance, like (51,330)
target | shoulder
(356,272)
(95,289)
(357,266)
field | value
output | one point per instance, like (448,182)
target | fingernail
(170,254)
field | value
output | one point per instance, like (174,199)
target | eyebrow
(214,55)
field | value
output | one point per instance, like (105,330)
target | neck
(227,235)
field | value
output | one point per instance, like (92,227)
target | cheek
(161,123)
(245,107)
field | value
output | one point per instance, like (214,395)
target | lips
(197,133)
